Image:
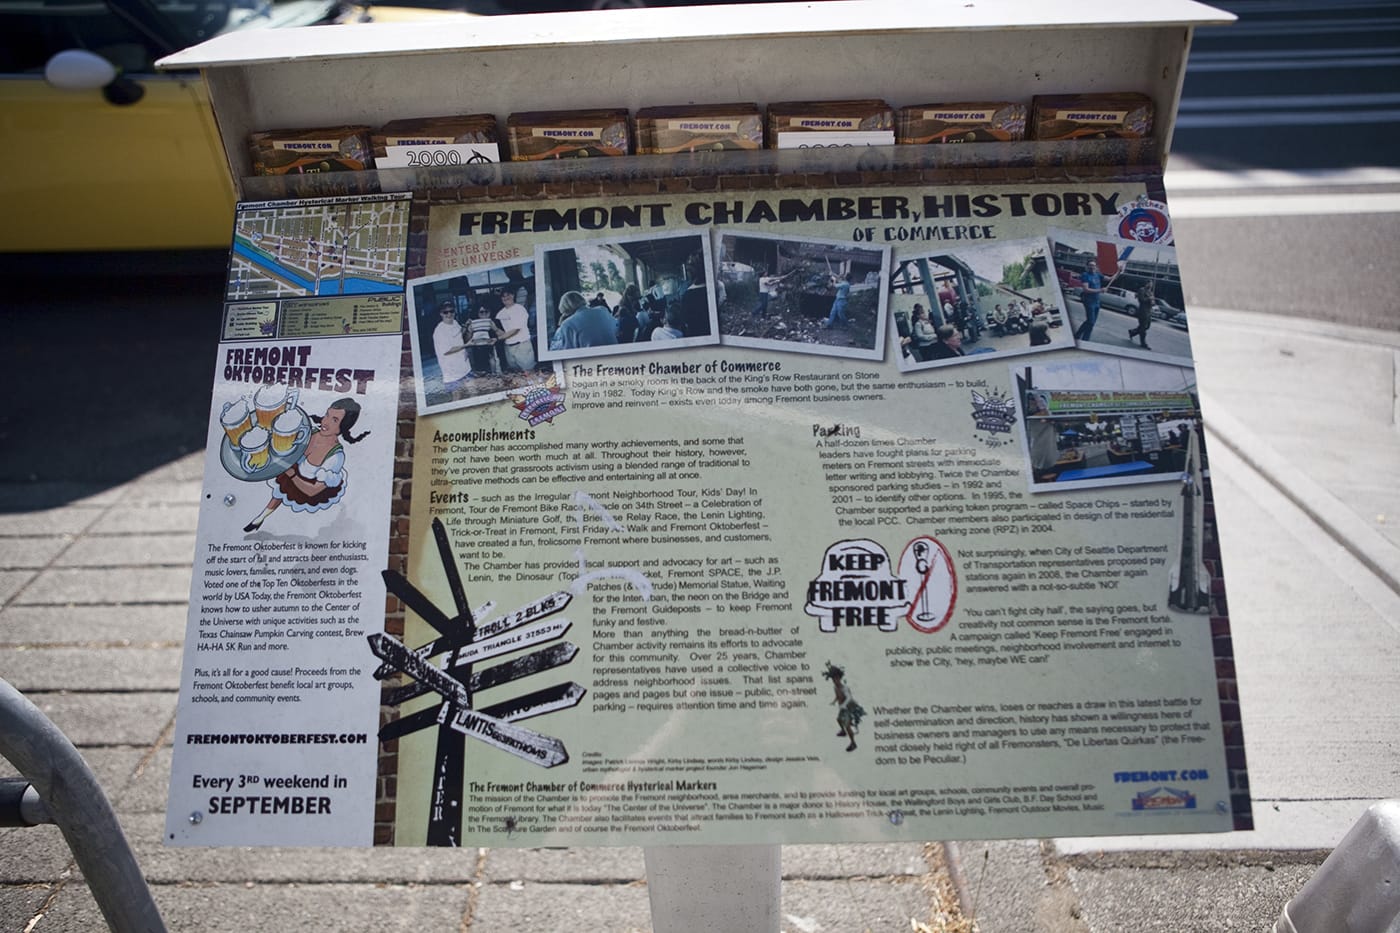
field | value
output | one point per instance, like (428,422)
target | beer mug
(288,430)
(271,401)
(254,448)
(235,419)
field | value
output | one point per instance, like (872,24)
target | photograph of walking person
(1124,297)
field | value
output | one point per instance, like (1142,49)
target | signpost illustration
(462,643)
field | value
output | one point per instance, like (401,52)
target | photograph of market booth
(1107,422)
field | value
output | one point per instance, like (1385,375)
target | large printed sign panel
(792,516)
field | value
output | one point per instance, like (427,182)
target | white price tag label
(439,155)
(836,140)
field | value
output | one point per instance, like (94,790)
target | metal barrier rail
(74,801)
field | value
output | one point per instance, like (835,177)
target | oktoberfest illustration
(269,438)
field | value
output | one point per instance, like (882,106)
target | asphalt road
(1294,84)
(1284,178)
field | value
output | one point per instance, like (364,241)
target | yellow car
(98,151)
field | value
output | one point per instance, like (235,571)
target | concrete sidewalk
(1305,458)
(1305,454)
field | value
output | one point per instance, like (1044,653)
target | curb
(1368,546)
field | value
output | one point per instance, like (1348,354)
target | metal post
(43,754)
(20,804)
(719,889)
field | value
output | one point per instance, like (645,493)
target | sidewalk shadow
(107,371)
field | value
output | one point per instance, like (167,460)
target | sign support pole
(722,889)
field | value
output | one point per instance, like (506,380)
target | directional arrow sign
(436,646)
(396,583)
(538,609)
(543,750)
(544,606)
(391,652)
(505,672)
(413,722)
(560,696)
(532,663)
(511,641)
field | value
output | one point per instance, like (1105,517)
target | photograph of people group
(471,335)
(1124,297)
(629,295)
(999,298)
(1103,421)
(803,295)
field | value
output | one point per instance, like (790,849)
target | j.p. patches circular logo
(1144,220)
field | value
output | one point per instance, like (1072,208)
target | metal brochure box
(903,53)
(412,242)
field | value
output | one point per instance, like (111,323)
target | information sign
(879,514)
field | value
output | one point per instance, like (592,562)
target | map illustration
(319,248)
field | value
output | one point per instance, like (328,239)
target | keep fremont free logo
(858,586)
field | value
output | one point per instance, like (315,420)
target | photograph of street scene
(1124,297)
(803,295)
(1102,421)
(471,336)
(629,295)
(999,298)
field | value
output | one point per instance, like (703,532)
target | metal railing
(59,787)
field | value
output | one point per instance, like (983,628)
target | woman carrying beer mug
(316,481)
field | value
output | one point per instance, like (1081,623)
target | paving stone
(868,906)
(45,496)
(844,861)
(113,767)
(125,519)
(581,864)
(174,490)
(148,792)
(124,669)
(189,466)
(29,855)
(108,719)
(12,581)
(175,549)
(48,522)
(99,586)
(238,908)
(31,552)
(18,904)
(598,908)
(68,625)
(1170,900)
(285,864)
(1011,892)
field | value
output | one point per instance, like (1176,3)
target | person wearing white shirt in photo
(515,322)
